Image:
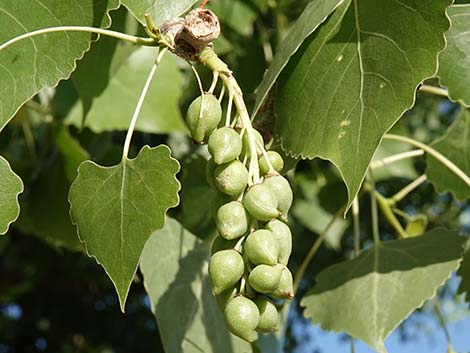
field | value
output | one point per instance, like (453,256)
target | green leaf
(45,210)
(105,57)
(398,169)
(369,296)
(336,98)
(117,208)
(313,216)
(455,145)
(174,266)
(464,273)
(10,187)
(37,62)
(313,15)
(113,109)
(161,10)
(454,61)
(74,154)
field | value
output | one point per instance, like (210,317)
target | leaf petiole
(106,32)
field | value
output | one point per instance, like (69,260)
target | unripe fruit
(283,236)
(268,316)
(276,161)
(242,318)
(261,247)
(224,145)
(225,270)
(221,243)
(210,169)
(285,290)
(226,296)
(246,146)
(231,178)
(261,203)
(202,122)
(265,278)
(281,188)
(232,220)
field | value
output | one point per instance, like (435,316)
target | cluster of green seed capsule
(249,256)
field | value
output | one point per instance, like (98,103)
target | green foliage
(113,108)
(391,280)
(31,64)
(353,97)
(161,10)
(464,273)
(455,145)
(174,264)
(10,187)
(454,62)
(115,216)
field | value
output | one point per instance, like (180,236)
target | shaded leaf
(464,273)
(455,145)
(101,62)
(74,154)
(454,61)
(174,266)
(113,109)
(369,296)
(10,187)
(336,98)
(45,210)
(117,208)
(161,10)
(313,15)
(34,63)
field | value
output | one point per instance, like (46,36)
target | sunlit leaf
(161,10)
(353,78)
(34,63)
(369,296)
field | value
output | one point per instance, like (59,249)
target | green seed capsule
(285,290)
(276,161)
(226,296)
(232,220)
(210,169)
(246,146)
(224,145)
(261,203)
(265,278)
(202,122)
(283,236)
(242,318)
(221,243)
(281,188)
(261,247)
(225,270)
(268,316)
(231,178)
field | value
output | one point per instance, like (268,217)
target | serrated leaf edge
(122,301)
(404,318)
(16,198)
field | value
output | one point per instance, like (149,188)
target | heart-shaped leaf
(354,77)
(161,10)
(454,61)
(40,61)
(116,209)
(455,145)
(314,14)
(10,187)
(174,265)
(369,296)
